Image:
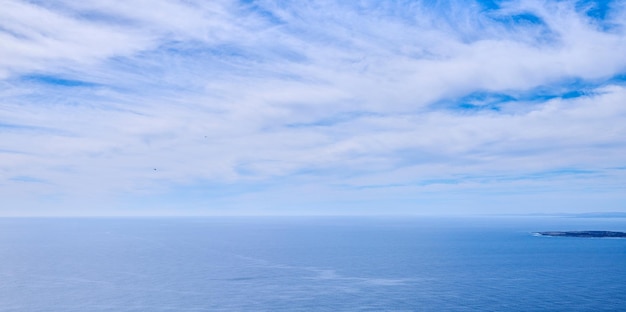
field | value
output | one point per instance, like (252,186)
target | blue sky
(167,107)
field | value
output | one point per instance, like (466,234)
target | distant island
(583,234)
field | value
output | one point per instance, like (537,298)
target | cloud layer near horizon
(184,107)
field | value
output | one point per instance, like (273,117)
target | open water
(309,264)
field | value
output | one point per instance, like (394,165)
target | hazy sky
(311,107)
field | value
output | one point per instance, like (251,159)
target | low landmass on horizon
(582,234)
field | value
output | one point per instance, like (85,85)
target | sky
(189,107)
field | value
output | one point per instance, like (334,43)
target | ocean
(310,264)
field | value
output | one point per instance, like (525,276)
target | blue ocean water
(309,264)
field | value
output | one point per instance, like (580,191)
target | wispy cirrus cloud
(280,105)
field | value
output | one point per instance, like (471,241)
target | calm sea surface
(309,264)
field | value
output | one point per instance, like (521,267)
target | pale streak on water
(309,264)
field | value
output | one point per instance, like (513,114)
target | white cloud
(319,94)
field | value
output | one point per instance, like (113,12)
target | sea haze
(309,264)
